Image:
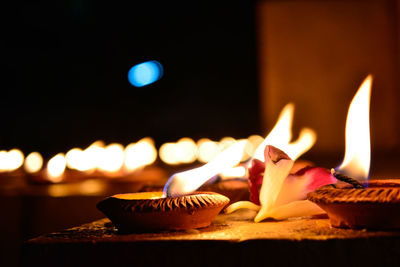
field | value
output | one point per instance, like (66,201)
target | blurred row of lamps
(114,158)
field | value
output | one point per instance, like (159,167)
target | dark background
(66,63)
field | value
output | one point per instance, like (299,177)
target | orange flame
(281,135)
(356,162)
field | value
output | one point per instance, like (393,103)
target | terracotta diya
(376,206)
(150,211)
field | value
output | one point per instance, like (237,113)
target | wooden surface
(232,240)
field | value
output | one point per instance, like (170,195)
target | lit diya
(276,193)
(176,208)
(354,204)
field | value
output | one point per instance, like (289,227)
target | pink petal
(256,173)
(297,186)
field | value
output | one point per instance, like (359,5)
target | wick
(347,179)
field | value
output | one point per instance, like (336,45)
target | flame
(254,142)
(56,167)
(357,157)
(306,140)
(33,162)
(188,181)
(140,154)
(281,135)
(234,172)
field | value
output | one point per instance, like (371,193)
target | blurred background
(222,68)
(67,62)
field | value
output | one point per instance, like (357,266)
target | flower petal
(297,186)
(277,168)
(297,208)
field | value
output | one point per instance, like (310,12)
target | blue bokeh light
(145,73)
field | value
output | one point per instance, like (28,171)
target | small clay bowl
(377,206)
(149,211)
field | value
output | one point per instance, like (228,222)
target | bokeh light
(33,162)
(145,73)
(56,167)
(207,150)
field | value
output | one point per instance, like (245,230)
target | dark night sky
(66,62)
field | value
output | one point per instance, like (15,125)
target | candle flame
(356,162)
(281,135)
(188,181)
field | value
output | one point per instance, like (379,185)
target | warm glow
(306,140)
(357,157)
(86,187)
(11,160)
(281,134)
(254,142)
(208,150)
(188,181)
(168,155)
(77,160)
(92,156)
(226,142)
(235,172)
(112,158)
(15,159)
(187,150)
(182,152)
(140,154)
(56,167)
(140,195)
(33,162)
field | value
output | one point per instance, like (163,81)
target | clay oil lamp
(178,207)
(375,206)
(151,211)
(357,202)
